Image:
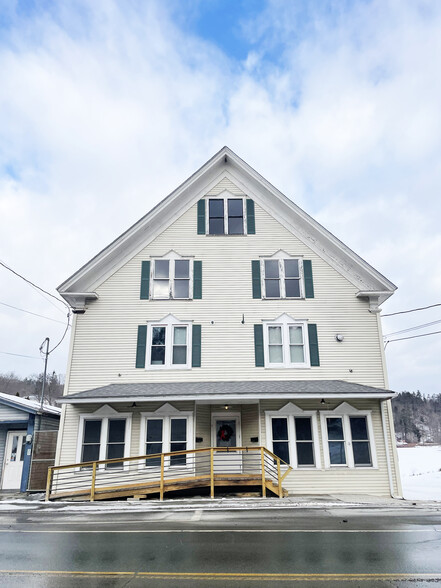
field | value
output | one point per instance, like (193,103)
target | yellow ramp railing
(165,472)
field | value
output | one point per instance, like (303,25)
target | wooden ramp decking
(143,490)
(139,477)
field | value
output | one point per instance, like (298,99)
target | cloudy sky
(106,106)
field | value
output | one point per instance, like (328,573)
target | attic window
(225,216)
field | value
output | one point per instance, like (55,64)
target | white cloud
(105,107)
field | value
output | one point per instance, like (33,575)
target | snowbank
(420,469)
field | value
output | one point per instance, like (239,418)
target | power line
(64,334)
(413,328)
(20,355)
(33,313)
(414,336)
(33,285)
(411,310)
(49,294)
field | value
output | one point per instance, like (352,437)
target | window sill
(283,298)
(152,368)
(287,367)
(166,299)
(338,467)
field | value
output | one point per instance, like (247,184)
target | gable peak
(225,184)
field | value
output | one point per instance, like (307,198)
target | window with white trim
(169,345)
(226,216)
(282,278)
(294,437)
(348,438)
(171,278)
(166,434)
(286,343)
(104,438)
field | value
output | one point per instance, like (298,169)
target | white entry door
(226,433)
(14,456)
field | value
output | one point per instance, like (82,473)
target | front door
(226,433)
(14,456)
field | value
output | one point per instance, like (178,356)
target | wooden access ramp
(240,468)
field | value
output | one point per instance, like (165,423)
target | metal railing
(165,472)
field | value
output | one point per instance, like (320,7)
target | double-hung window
(279,429)
(168,343)
(104,438)
(226,216)
(348,439)
(286,343)
(169,346)
(293,437)
(166,434)
(171,279)
(282,278)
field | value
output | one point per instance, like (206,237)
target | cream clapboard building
(229,317)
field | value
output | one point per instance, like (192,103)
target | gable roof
(224,168)
(29,406)
(226,391)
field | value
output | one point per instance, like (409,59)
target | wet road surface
(202,548)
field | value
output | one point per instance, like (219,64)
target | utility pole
(45,369)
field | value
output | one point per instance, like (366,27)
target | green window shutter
(196,346)
(255,276)
(145,280)
(197,280)
(307,274)
(313,345)
(201,217)
(141,346)
(258,346)
(251,221)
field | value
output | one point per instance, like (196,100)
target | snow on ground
(420,469)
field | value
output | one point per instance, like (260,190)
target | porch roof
(245,390)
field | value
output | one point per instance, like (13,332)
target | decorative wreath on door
(225,432)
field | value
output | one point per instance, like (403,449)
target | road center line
(239,576)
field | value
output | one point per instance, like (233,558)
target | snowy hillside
(420,468)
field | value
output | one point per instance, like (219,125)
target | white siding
(299,481)
(203,425)
(338,480)
(105,339)
(225,184)
(69,441)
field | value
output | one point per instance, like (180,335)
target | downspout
(386,446)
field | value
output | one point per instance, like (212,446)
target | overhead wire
(411,310)
(20,355)
(49,294)
(64,334)
(33,313)
(412,337)
(34,285)
(413,328)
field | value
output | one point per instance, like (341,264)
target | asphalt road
(316,547)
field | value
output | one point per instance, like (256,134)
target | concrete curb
(226,504)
